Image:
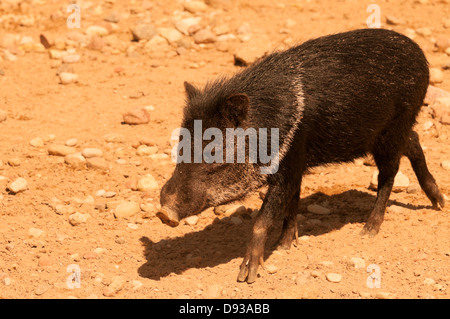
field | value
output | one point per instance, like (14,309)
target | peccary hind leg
(388,160)
(386,178)
(415,155)
(387,155)
(290,229)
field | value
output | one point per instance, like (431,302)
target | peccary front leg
(274,202)
(278,199)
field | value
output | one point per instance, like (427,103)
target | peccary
(333,99)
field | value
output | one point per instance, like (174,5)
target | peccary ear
(236,108)
(191,90)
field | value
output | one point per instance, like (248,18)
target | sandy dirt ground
(59,235)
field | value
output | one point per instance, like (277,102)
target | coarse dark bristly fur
(334,99)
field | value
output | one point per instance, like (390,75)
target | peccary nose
(168,216)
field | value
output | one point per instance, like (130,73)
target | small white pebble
(191,220)
(109,194)
(332,277)
(271,269)
(71,142)
(100,193)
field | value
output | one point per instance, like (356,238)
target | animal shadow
(223,241)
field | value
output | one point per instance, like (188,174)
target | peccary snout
(180,198)
(168,216)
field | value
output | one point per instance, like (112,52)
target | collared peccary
(333,99)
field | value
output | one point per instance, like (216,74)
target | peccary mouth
(168,216)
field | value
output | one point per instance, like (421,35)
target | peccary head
(203,177)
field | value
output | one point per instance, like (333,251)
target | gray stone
(147,183)
(75,160)
(401,182)
(170,34)
(126,209)
(68,78)
(191,220)
(333,277)
(97,163)
(436,76)
(60,150)
(18,185)
(71,58)
(184,24)
(78,218)
(195,6)
(113,17)
(357,262)
(204,36)
(91,152)
(413,188)
(446,165)
(37,142)
(143,31)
